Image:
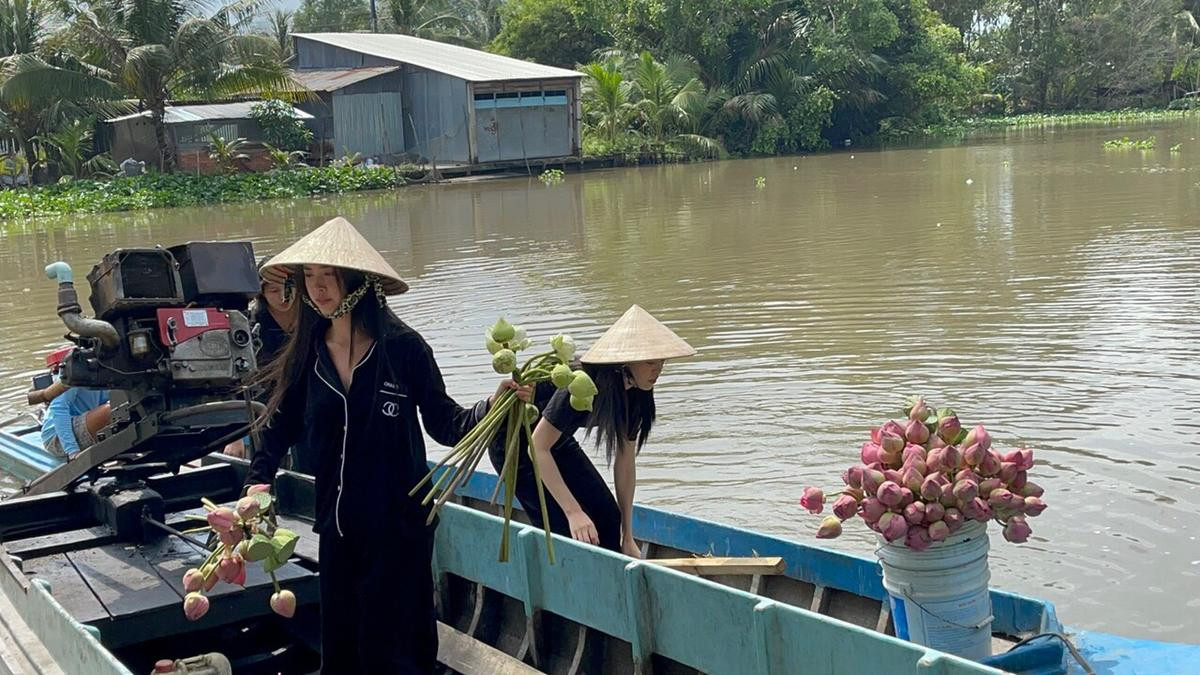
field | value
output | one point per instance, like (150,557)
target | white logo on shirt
(390,408)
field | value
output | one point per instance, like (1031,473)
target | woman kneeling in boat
(625,364)
(347,388)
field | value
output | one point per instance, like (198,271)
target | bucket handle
(908,597)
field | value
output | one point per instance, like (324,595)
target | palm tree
(158,50)
(281,33)
(667,95)
(606,96)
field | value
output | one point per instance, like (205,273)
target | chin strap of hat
(348,303)
(377,284)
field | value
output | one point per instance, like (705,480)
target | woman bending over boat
(625,363)
(346,390)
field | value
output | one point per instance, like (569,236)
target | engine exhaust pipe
(72,314)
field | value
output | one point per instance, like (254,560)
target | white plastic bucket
(939,596)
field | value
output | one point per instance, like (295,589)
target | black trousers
(377,613)
(585,483)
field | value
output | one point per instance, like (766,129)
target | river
(1036,282)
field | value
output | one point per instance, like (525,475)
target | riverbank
(157,190)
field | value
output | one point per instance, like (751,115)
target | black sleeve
(445,421)
(560,413)
(280,434)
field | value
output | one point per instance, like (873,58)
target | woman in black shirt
(625,363)
(346,390)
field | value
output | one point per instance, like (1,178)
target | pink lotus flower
(1008,471)
(255,489)
(854,476)
(914,513)
(889,494)
(870,453)
(893,526)
(999,498)
(987,485)
(193,580)
(247,508)
(973,455)
(918,538)
(912,479)
(210,577)
(934,512)
(891,427)
(968,474)
(952,458)
(813,499)
(893,475)
(872,510)
(936,460)
(283,603)
(830,528)
(919,411)
(844,507)
(892,443)
(979,436)
(1017,530)
(931,489)
(953,518)
(194,606)
(1031,489)
(906,496)
(872,479)
(1022,457)
(936,441)
(917,464)
(966,490)
(939,531)
(1033,505)
(977,510)
(1018,481)
(991,464)
(229,568)
(916,432)
(222,519)
(949,428)
(230,538)
(913,452)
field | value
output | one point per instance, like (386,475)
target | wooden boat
(77,596)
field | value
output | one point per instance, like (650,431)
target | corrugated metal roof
(179,114)
(461,62)
(337,78)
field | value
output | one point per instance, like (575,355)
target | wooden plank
(724,566)
(61,542)
(464,654)
(67,587)
(123,580)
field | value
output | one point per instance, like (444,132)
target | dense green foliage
(158,190)
(280,127)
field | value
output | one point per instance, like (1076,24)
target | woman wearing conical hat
(346,391)
(625,364)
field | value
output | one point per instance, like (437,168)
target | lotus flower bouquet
(504,341)
(921,479)
(244,534)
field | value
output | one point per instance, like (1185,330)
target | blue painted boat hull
(1016,616)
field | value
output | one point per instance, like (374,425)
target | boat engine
(171,342)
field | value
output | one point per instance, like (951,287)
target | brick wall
(198,161)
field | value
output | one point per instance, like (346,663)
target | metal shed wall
(313,54)
(437,115)
(368,123)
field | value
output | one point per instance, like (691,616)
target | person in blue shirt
(73,419)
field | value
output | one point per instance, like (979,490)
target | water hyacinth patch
(504,341)
(245,534)
(921,478)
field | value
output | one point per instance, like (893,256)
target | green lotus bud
(519,334)
(581,404)
(504,361)
(502,331)
(582,386)
(492,345)
(563,346)
(561,375)
(531,413)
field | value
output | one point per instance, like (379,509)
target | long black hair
(289,367)
(619,414)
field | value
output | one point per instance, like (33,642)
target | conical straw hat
(637,336)
(338,244)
